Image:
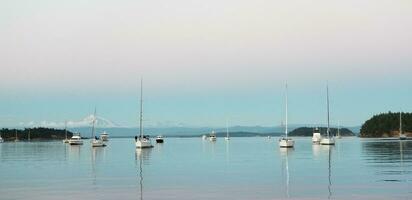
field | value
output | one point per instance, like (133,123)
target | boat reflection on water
(97,155)
(143,156)
(285,153)
(329,149)
(316,150)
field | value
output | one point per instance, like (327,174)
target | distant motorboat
(159,139)
(317,137)
(1,140)
(212,136)
(328,140)
(104,136)
(204,137)
(286,142)
(142,141)
(76,140)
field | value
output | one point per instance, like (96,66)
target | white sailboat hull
(75,142)
(212,139)
(1,140)
(286,143)
(327,141)
(98,143)
(144,143)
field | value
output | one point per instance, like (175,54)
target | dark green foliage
(308,131)
(386,125)
(35,134)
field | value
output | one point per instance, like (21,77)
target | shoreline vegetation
(386,125)
(308,132)
(35,134)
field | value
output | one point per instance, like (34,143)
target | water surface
(190,168)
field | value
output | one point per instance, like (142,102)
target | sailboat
(285,155)
(95,141)
(317,137)
(338,135)
(16,138)
(142,141)
(65,133)
(329,140)
(401,135)
(286,142)
(227,131)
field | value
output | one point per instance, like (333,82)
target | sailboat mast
(227,128)
(94,121)
(327,99)
(141,108)
(339,129)
(286,99)
(65,129)
(400,123)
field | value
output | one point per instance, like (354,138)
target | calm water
(190,168)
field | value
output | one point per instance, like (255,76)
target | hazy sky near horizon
(204,61)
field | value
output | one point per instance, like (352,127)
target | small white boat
(317,137)
(286,142)
(329,140)
(104,136)
(1,140)
(212,136)
(159,139)
(142,141)
(204,137)
(76,140)
(269,137)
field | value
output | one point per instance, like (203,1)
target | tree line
(386,125)
(34,134)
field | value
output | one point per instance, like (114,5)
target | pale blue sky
(203,61)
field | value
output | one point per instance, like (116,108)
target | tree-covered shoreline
(386,125)
(35,134)
(308,131)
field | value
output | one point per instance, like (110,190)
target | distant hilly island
(235,131)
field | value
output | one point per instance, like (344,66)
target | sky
(203,62)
